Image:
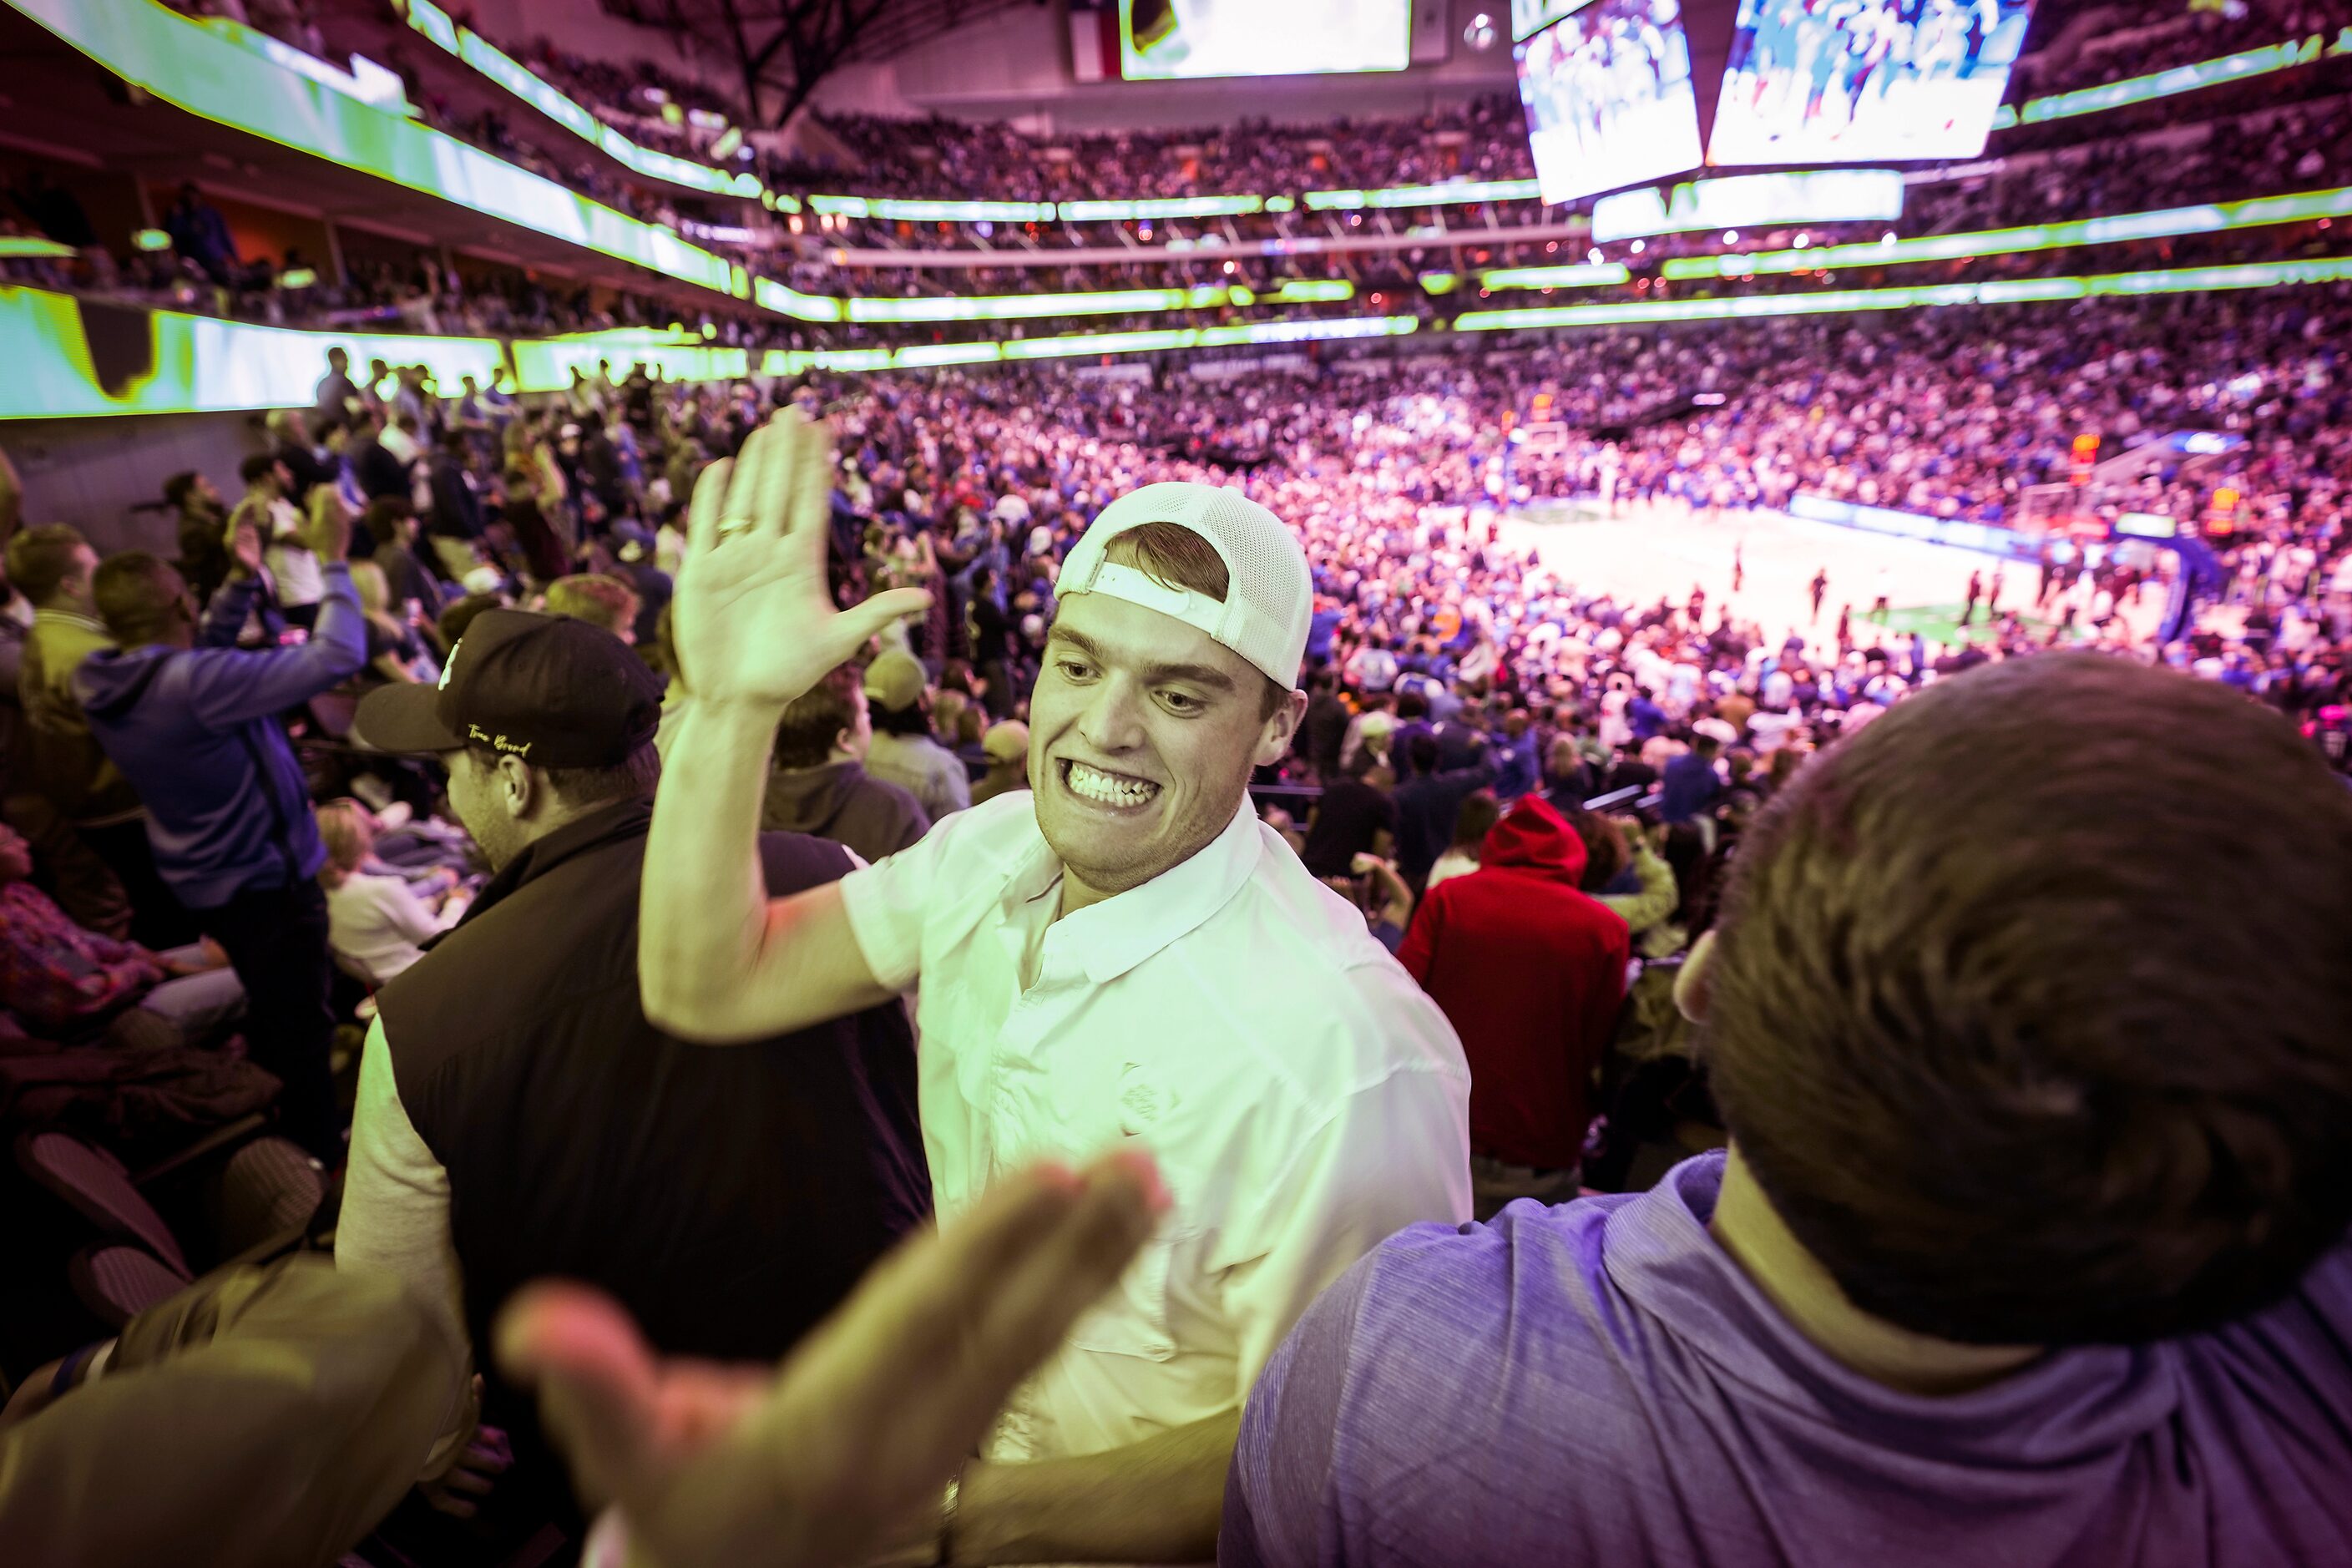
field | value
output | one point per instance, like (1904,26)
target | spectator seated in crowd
(378,920)
(818,784)
(1006,747)
(900,749)
(66,981)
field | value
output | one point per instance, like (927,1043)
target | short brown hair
(1175,557)
(135,593)
(40,558)
(2030,1005)
(594,597)
(815,719)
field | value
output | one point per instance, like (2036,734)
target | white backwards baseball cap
(1267,609)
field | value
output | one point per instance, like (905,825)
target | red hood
(1534,834)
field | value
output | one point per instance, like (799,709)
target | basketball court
(1640,552)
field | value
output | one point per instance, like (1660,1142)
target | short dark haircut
(635,778)
(2030,1005)
(908,720)
(1422,753)
(135,593)
(455,619)
(40,559)
(1604,848)
(1411,706)
(384,515)
(260,465)
(179,487)
(1175,557)
(1478,812)
(815,719)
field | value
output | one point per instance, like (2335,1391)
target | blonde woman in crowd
(377,923)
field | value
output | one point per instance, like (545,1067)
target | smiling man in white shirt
(1125,954)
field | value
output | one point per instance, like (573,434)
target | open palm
(755,621)
(843,1448)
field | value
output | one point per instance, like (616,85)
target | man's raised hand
(755,621)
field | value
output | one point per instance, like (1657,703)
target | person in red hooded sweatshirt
(1530,972)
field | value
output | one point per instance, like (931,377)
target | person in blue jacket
(191,721)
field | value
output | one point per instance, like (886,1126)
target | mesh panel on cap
(1266,562)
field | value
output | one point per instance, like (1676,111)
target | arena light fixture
(29,247)
(2161,224)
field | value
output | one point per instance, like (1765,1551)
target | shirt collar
(624,819)
(69,618)
(1112,937)
(2082,1401)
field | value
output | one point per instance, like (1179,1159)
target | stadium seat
(116,1282)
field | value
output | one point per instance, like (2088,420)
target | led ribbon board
(535,90)
(1836,301)
(2162,223)
(2180,78)
(71,358)
(195,68)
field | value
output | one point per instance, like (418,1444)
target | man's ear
(522,790)
(1281,725)
(1691,988)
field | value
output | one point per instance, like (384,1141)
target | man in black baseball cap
(534,716)
(518,1117)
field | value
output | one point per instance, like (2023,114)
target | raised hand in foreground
(822,1458)
(754,618)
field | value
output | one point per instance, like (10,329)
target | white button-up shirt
(1303,1099)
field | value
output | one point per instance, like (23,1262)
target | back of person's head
(1413,705)
(1605,853)
(139,596)
(457,617)
(385,517)
(1478,812)
(947,714)
(1420,751)
(350,838)
(814,722)
(2031,1003)
(599,600)
(41,561)
(257,467)
(179,487)
(972,725)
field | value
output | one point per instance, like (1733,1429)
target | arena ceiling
(784,48)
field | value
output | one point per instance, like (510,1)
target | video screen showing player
(1609,97)
(1162,41)
(1825,81)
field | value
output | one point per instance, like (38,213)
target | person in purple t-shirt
(2030,1016)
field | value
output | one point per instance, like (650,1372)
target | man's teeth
(1093,784)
